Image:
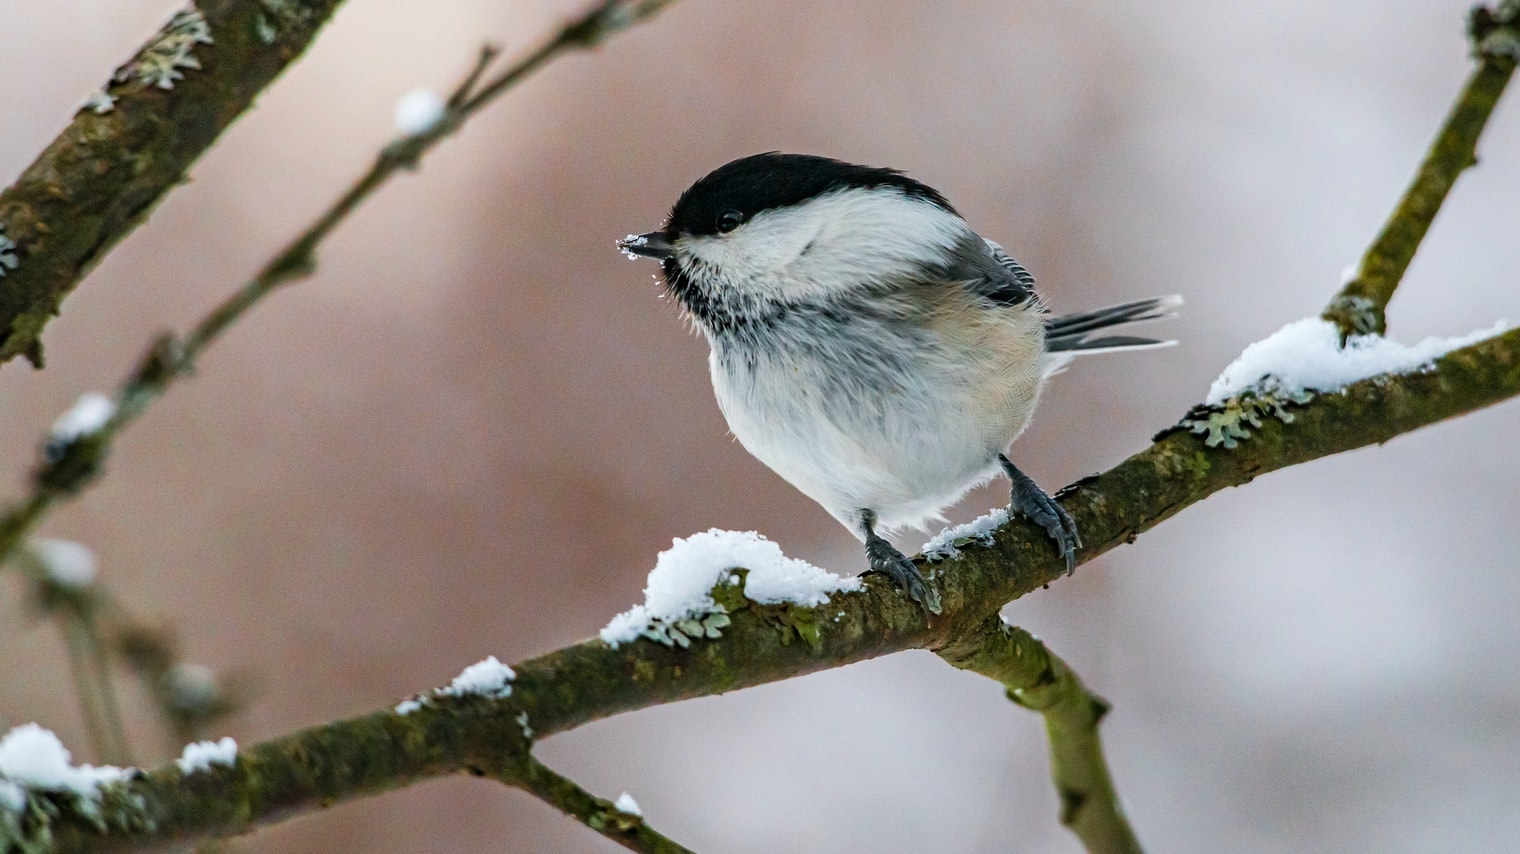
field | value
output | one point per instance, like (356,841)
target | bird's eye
(729,220)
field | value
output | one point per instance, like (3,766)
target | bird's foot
(887,560)
(1030,500)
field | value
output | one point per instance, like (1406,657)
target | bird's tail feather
(1070,334)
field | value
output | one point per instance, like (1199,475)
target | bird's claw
(1030,500)
(887,560)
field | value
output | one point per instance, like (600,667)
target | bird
(868,346)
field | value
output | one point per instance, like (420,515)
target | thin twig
(98,630)
(1037,679)
(110,702)
(73,608)
(1361,306)
(488,54)
(91,705)
(626,829)
(189,697)
(170,358)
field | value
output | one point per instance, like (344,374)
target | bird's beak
(652,245)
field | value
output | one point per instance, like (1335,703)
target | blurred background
(473,429)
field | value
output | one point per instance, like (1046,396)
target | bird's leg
(1030,500)
(886,559)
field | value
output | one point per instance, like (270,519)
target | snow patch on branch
(1306,355)
(678,603)
(12,796)
(488,678)
(948,543)
(627,805)
(419,111)
(68,564)
(85,418)
(33,757)
(201,755)
(1300,360)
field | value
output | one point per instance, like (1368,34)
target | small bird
(867,345)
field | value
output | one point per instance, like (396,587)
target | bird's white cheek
(755,251)
(746,264)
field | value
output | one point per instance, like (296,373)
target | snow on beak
(652,245)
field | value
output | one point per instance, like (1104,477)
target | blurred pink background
(472,431)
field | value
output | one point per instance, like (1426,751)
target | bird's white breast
(882,413)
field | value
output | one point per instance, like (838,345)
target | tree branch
(361,756)
(1037,679)
(170,359)
(1360,307)
(132,144)
(357,757)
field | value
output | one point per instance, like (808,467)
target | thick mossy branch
(1037,679)
(1360,307)
(133,143)
(353,758)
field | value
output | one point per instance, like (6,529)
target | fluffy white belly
(902,428)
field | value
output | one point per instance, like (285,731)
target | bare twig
(626,829)
(72,606)
(298,259)
(99,659)
(99,631)
(1037,679)
(102,719)
(1360,307)
(190,697)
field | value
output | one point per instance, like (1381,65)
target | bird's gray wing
(990,273)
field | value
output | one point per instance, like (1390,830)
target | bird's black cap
(761,182)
